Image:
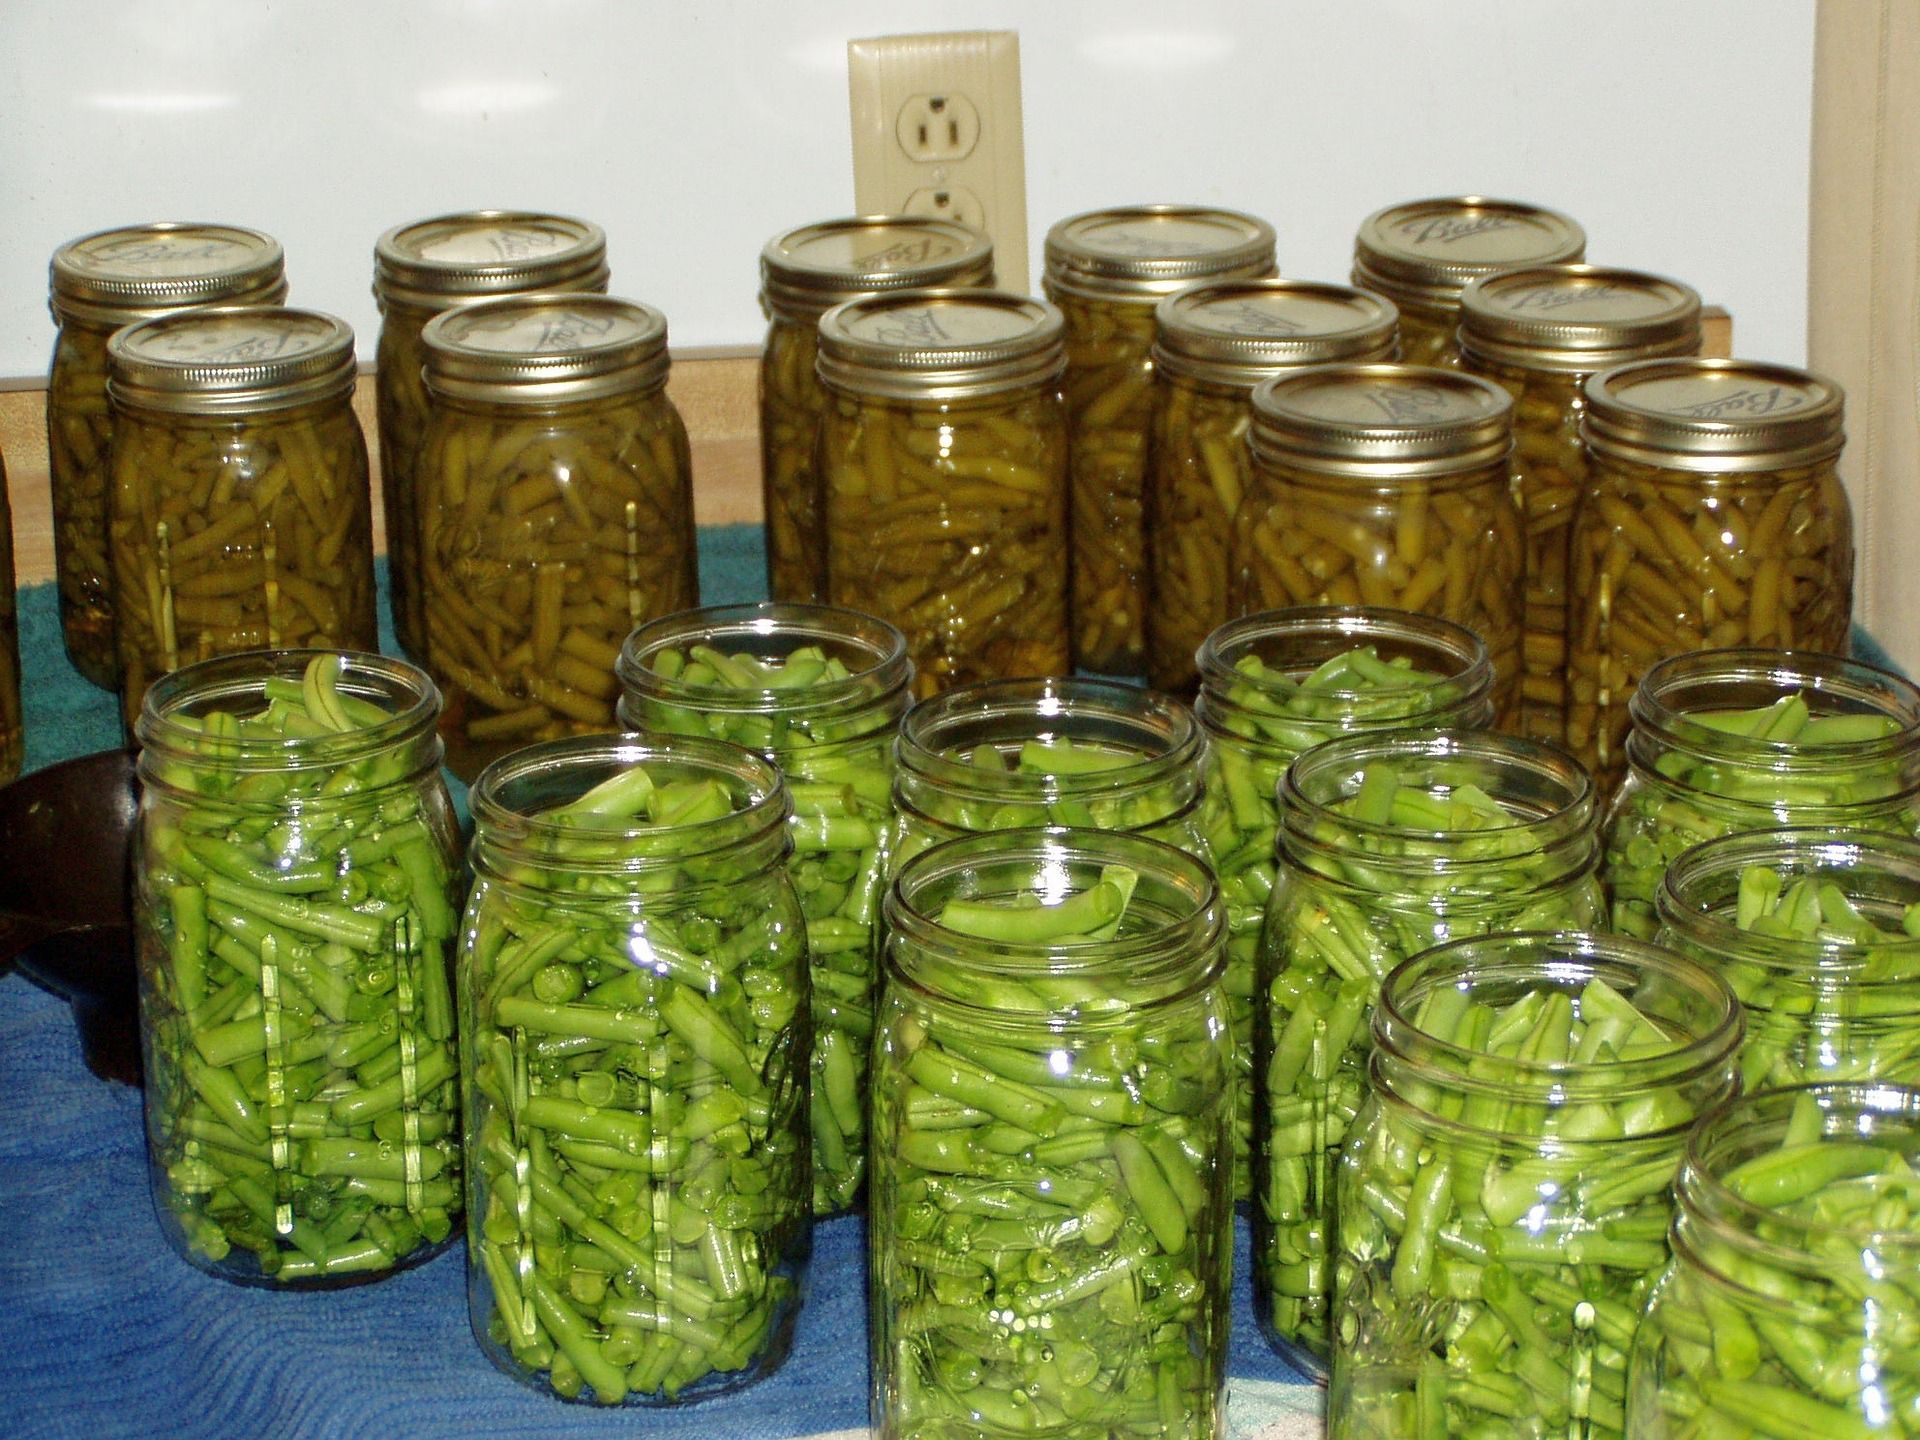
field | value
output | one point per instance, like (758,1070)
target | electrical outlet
(936,131)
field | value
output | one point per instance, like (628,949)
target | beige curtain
(1864,291)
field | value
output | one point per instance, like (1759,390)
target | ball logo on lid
(902,253)
(910,327)
(1604,296)
(1442,230)
(1251,317)
(506,244)
(1747,401)
(1413,404)
(543,331)
(143,254)
(234,345)
(1168,239)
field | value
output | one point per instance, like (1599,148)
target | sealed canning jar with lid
(633,988)
(1390,842)
(1278,683)
(803,274)
(1788,1309)
(1215,342)
(419,270)
(100,283)
(1421,255)
(295,903)
(1713,517)
(1107,270)
(819,692)
(1541,332)
(1052,1229)
(241,518)
(1385,485)
(1818,932)
(1504,1200)
(1735,740)
(556,512)
(943,453)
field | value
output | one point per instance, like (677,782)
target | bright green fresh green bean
(1499,1229)
(634,1021)
(829,727)
(1417,853)
(1815,932)
(1689,794)
(1044,1261)
(294,962)
(1791,1312)
(1259,716)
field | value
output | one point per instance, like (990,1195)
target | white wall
(1676,130)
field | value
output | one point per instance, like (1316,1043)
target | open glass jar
(556,507)
(1505,1196)
(1714,517)
(1052,1227)
(100,283)
(241,516)
(1215,341)
(1389,843)
(1811,928)
(803,274)
(944,457)
(1788,1307)
(1389,486)
(1735,740)
(1107,270)
(1422,253)
(419,270)
(819,692)
(1541,332)
(634,1027)
(295,901)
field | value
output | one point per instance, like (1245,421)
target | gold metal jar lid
(1238,332)
(1420,254)
(236,359)
(115,277)
(1714,416)
(451,259)
(545,349)
(941,344)
(1142,252)
(807,271)
(1382,421)
(1576,319)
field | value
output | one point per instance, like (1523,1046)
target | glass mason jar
(633,1017)
(1107,270)
(296,894)
(12,730)
(1692,774)
(803,274)
(1278,683)
(1385,485)
(1713,518)
(1504,1201)
(419,270)
(100,283)
(1052,1229)
(943,454)
(1422,253)
(1823,1000)
(241,517)
(554,490)
(819,692)
(1787,1309)
(1389,843)
(1216,341)
(1541,332)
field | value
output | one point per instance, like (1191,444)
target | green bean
(1808,769)
(1043,1262)
(1792,1306)
(1412,852)
(1260,716)
(826,715)
(647,1184)
(296,999)
(1483,1283)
